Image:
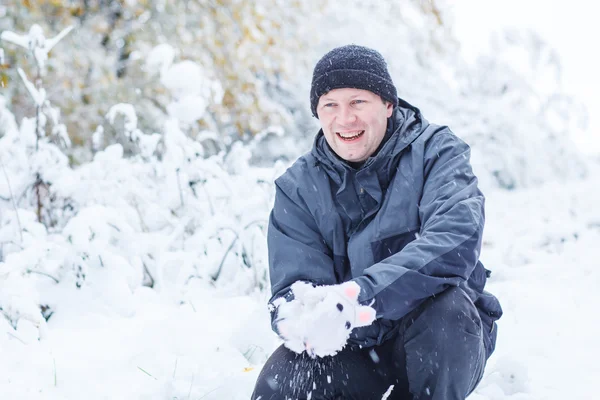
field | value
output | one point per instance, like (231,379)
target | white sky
(570,27)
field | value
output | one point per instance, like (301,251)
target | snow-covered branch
(38,95)
(35,42)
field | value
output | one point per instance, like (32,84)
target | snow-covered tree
(247,54)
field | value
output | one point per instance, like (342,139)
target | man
(374,242)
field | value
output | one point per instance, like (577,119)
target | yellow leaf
(248,369)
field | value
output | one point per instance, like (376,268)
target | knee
(451,313)
(266,387)
(284,375)
(270,381)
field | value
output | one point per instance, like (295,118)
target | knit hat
(352,66)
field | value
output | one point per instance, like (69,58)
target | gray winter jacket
(405,226)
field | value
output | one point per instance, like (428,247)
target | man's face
(354,122)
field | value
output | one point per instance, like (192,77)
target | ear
(365,316)
(389,109)
(350,290)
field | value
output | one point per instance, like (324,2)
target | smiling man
(374,243)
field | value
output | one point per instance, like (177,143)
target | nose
(346,115)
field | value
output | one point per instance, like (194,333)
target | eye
(329,105)
(358,101)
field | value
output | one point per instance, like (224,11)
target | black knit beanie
(352,66)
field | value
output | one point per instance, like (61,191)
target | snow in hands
(320,318)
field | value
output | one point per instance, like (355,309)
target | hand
(320,319)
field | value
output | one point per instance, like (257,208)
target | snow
(146,143)
(540,246)
(202,324)
(114,337)
(319,319)
(185,77)
(187,82)
(160,57)
(188,108)
(119,339)
(128,113)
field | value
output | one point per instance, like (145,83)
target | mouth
(350,136)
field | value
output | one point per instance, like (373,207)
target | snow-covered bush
(176,224)
(516,116)
(32,151)
(38,46)
(152,209)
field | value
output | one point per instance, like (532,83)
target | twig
(175,370)
(191,384)
(54,361)
(210,204)
(113,226)
(251,350)
(147,373)
(25,191)
(207,393)
(148,273)
(215,277)
(179,186)
(259,222)
(187,281)
(32,271)
(38,183)
(139,213)
(13,201)
(13,243)
(224,228)
(16,337)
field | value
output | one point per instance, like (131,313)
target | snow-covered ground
(540,243)
(542,247)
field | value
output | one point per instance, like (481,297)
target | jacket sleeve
(447,248)
(297,251)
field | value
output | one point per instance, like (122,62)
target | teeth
(350,135)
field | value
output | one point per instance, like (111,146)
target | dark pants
(438,354)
